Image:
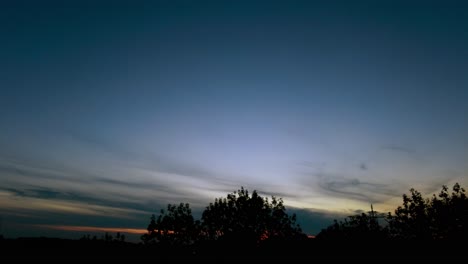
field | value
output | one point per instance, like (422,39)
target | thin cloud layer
(95,229)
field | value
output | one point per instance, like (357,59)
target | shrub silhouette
(364,226)
(120,238)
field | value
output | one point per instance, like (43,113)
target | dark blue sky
(111,110)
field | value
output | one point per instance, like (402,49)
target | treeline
(247,227)
(250,224)
(440,217)
(106,237)
(254,220)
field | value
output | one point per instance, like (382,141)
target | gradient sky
(111,110)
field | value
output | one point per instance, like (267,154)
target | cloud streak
(398,148)
(31,188)
(23,203)
(136,231)
(353,188)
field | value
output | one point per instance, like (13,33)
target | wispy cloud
(139,188)
(338,191)
(156,162)
(95,229)
(397,148)
(354,188)
(23,203)
(135,184)
(363,166)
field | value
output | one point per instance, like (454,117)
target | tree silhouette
(175,226)
(444,216)
(450,213)
(411,220)
(120,237)
(248,218)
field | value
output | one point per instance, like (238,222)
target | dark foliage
(175,227)
(250,218)
(442,217)
(358,227)
(244,227)
(119,238)
(240,216)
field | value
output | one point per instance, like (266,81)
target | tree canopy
(238,217)
(249,217)
(253,219)
(175,226)
(443,216)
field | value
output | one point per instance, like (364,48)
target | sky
(110,110)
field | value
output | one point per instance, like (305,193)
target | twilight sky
(110,110)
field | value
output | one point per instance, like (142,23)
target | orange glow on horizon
(95,229)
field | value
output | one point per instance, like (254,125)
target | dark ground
(25,249)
